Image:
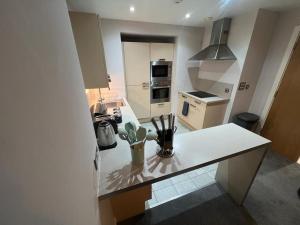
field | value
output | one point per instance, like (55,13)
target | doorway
(282,125)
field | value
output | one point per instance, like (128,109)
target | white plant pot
(137,153)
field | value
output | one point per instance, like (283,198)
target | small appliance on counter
(99,108)
(105,118)
(106,137)
(105,124)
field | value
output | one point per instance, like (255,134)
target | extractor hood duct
(217,49)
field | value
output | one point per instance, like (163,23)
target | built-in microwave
(161,70)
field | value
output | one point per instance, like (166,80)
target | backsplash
(92,96)
(107,94)
(215,87)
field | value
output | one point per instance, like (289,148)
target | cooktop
(201,94)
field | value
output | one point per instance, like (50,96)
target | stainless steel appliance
(106,137)
(217,49)
(99,108)
(161,70)
(160,93)
(161,75)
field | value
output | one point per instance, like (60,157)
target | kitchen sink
(116,103)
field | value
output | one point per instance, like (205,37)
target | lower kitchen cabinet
(158,109)
(138,97)
(201,115)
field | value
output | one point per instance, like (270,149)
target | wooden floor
(208,206)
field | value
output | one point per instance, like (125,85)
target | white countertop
(192,150)
(210,100)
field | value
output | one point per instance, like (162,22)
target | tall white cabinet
(137,58)
(137,70)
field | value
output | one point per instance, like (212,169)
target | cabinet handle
(145,85)
(183,96)
(192,105)
(161,104)
(197,102)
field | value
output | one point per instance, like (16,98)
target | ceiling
(169,12)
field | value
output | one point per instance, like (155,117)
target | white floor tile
(153,201)
(192,174)
(185,187)
(180,127)
(200,171)
(211,167)
(161,184)
(203,180)
(212,174)
(179,178)
(165,194)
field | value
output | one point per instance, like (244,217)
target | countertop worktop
(210,100)
(192,150)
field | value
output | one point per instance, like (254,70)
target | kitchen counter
(192,150)
(210,100)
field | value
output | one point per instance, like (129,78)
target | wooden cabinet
(200,114)
(158,109)
(137,62)
(88,39)
(162,51)
(138,97)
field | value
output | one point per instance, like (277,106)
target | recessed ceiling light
(188,15)
(132,9)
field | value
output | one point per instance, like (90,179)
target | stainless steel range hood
(217,49)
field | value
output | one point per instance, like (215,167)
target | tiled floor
(177,186)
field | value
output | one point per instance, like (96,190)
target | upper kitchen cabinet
(137,62)
(162,51)
(88,38)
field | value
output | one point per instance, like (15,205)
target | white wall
(47,140)
(256,54)
(238,41)
(189,40)
(284,28)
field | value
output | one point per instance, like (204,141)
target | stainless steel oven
(160,93)
(161,70)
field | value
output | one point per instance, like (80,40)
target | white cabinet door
(88,39)
(137,62)
(162,108)
(162,51)
(196,114)
(139,99)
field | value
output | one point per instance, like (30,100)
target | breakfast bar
(238,151)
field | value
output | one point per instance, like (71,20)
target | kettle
(106,137)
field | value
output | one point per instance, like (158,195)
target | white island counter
(238,150)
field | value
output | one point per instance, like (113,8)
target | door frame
(279,76)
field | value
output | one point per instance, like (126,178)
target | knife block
(165,142)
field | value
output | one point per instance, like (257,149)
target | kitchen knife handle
(162,123)
(173,123)
(154,124)
(170,121)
